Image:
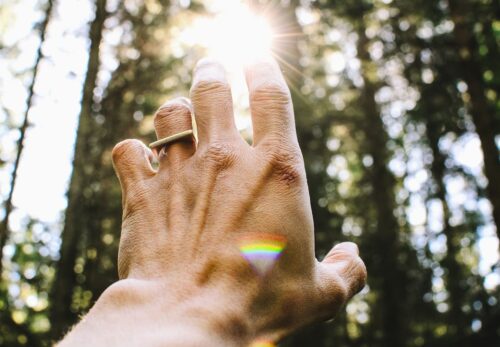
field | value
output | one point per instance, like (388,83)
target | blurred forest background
(398,115)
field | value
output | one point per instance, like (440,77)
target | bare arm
(217,244)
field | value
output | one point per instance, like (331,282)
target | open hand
(185,225)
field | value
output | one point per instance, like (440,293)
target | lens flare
(262,250)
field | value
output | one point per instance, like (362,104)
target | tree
(4,225)
(62,292)
(384,91)
(93,217)
(482,112)
(436,73)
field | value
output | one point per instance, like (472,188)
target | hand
(184,225)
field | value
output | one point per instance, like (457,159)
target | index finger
(270,102)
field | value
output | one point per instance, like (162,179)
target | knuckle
(172,117)
(286,164)
(219,154)
(212,87)
(271,93)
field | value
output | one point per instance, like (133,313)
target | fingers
(172,118)
(270,102)
(132,162)
(343,273)
(212,103)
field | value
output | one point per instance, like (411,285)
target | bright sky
(46,163)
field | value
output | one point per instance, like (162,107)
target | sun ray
(235,35)
(239,32)
(289,66)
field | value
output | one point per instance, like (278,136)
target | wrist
(147,311)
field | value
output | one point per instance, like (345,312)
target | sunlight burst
(234,35)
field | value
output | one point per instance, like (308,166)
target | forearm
(131,313)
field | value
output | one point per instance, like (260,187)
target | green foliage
(381,96)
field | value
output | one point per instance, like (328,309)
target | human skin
(183,280)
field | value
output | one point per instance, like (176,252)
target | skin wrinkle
(270,103)
(353,272)
(287,165)
(135,199)
(271,96)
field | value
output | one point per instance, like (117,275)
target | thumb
(342,274)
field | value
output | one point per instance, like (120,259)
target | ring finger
(173,125)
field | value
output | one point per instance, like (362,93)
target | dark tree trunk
(482,114)
(454,279)
(141,79)
(62,317)
(4,225)
(94,208)
(387,265)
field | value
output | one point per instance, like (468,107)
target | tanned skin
(183,280)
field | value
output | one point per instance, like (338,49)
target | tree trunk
(482,113)
(4,225)
(457,325)
(386,266)
(94,207)
(62,292)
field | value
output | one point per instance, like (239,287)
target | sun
(234,35)
(238,36)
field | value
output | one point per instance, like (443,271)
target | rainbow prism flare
(262,250)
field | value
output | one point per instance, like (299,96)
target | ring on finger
(171,138)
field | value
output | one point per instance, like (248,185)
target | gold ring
(171,138)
